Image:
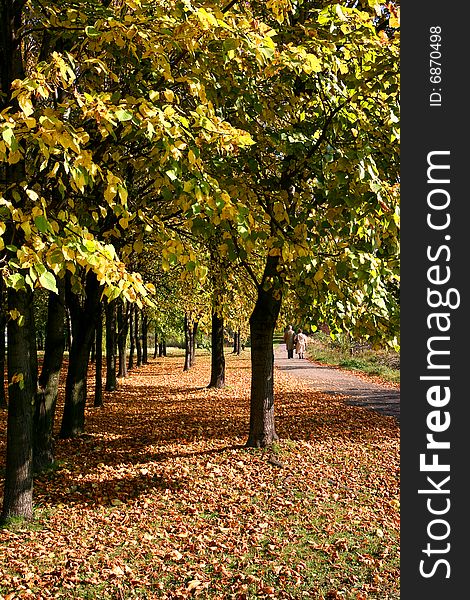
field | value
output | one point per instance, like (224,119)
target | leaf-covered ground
(159,499)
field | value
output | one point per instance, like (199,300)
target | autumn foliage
(159,499)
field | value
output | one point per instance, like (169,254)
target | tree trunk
(111,341)
(190,331)
(46,398)
(131,338)
(123,327)
(217,359)
(22,357)
(93,351)
(193,343)
(22,377)
(68,330)
(238,342)
(3,321)
(98,400)
(164,347)
(262,324)
(144,338)
(138,344)
(83,329)
(187,344)
(39,341)
(155,342)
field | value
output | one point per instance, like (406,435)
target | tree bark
(98,400)
(46,398)
(193,343)
(217,359)
(131,338)
(93,351)
(155,342)
(236,342)
(83,328)
(190,331)
(262,324)
(187,344)
(144,338)
(22,377)
(111,344)
(138,343)
(68,330)
(3,322)
(22,357)
(123,327)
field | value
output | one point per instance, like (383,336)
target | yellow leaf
(193,584)
(116,570)
(169,95)
(30,122)
(24,100)
(319,275)
(26,227)
(14,157)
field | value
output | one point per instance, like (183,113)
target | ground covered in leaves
(159,499)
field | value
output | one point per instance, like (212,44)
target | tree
(3,322)
(313,203)
(217,379)
(21,359)
(84,313)
(123,315)
(111,345)
(22,377)
(98,400)
(48,384)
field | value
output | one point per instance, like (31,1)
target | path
(333,381)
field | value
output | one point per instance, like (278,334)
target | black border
(424,129)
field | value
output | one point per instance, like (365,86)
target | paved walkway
(333,381)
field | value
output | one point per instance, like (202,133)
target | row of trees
(241,156)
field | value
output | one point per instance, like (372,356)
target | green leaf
(42,224)
(16,281)
(91,31)
(123,115)
(47,281)
(171,173)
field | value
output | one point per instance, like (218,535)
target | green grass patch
(382,363)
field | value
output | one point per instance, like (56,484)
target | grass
(384,364)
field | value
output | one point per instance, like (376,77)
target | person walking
(289,337)
(300,343)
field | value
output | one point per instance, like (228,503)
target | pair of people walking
(297,341)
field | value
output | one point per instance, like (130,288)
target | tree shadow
(143,427)
(71,487)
